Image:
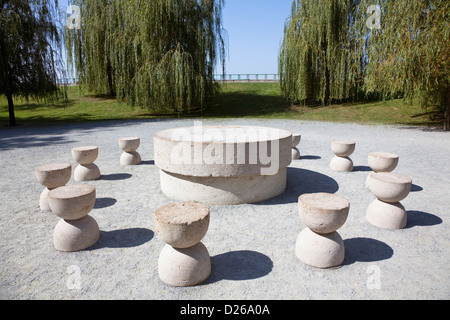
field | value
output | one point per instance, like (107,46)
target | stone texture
(72,202)
(343,148)
(387,215)
(223,165)
(343,164)
(129,144)
(182,225)
(320,250)
(296,154)
(54,175)
(76,235)
(185,152)
(184,267)
(225,190)
(319,245)
(87,172)
(323,212)
(85,155)
(296,138)
(43,200)
(130,158)
(389,187)
(383,161)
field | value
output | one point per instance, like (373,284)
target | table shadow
(301,181)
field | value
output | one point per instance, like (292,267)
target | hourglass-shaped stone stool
(342,149)
(296,138)
(382,162)
(52,176)
(129,146)
(87,170)
(320,245)
(76,230)
(389,188)
(184,261)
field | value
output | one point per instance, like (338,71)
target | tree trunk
(12,116)
(447,111)
(110,80)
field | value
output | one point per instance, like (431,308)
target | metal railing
(243,77)
(67,81)
(247,77)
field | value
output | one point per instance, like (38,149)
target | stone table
(223,165)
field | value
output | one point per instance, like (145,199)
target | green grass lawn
(252,100)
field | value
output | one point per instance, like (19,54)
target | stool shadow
(239,265)
(366,250)
(115,176)
(148,163)
(362,168)
(101,203)
(123,238)
(416,188)
(420,218)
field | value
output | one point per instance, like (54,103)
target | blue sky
(255,31)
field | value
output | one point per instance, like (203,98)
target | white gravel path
(252,246)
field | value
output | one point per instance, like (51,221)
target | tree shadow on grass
(56,133)
(241,104)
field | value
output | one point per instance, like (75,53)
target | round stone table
(223,165)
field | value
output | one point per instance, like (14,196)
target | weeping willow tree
(319,58)
(159,54)
(409,53)
(29,56)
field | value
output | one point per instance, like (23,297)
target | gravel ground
(251,246)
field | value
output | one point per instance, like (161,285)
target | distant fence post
(247,77)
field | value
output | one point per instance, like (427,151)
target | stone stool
(343,150)
(76,230)
(52,176)
(129,156)
(382,162)
(87,170)
(386,211)
(319,244)
(296,138)
(184,261)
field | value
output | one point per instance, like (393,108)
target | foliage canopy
(29,59)
(159,54)
(329,52)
